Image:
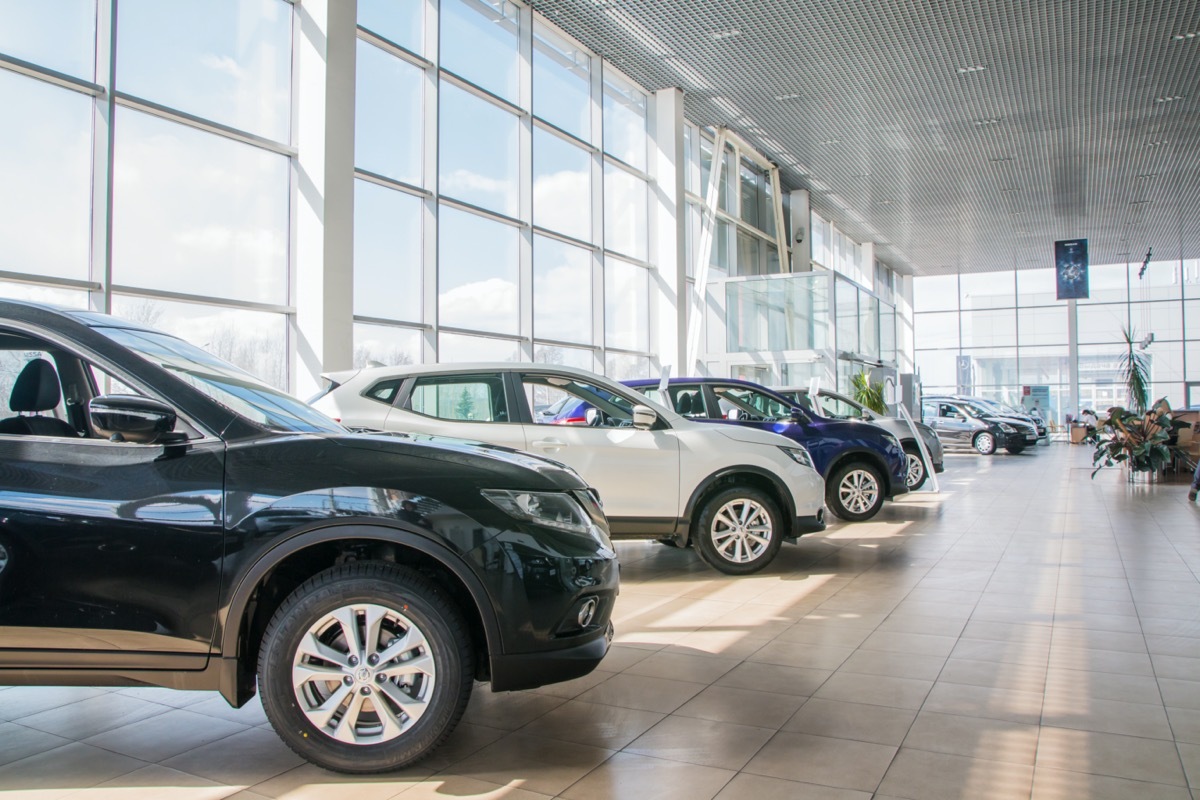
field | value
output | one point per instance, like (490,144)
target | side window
(928,411)
(385,391)
(105,384)
(947,410)
(738,402)
(688,401)
(563,401)
(473,398)
(836,407)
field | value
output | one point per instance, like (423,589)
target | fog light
(587,612)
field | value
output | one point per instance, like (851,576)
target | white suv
(733,492)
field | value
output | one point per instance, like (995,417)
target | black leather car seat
(683,404)
(36,390)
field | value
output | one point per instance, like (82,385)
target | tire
(855,491)
(917,473)
(984,443)
(306,637)
(739,530)
(1015,449)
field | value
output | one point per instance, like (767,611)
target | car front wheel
(366,667)
(739,531)
(855,492)
(915,477)
(984,443)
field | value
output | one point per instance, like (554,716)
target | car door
(109,551)
(636,471)
(473,405)
(954,424)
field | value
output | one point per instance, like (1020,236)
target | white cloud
(490,304)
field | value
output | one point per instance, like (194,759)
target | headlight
(552,509)
(799,455)
(1004,426)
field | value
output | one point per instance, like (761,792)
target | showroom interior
(792,195)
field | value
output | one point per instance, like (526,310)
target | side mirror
(130,418)
(644,417)
(592,417)
(797,415)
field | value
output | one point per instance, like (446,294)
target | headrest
(684,403)
(36,388)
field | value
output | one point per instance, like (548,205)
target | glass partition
(775,314)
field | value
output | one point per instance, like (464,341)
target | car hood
(515,464)
(1016,423)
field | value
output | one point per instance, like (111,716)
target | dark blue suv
(862,464)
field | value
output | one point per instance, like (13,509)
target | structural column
(1072,360)
(323,208)
(668,240)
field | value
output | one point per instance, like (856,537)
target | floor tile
(547,766)
(309,782)
(441,787)
(774,678)
(758,787)
(161,737)
(802,654)
(895,665)
(841,763)
(742,706)
(94,715)
(922,644)
(1185,723)
(1054,784)
(1107,716)
(1069,684)
(155,782)
(701,741)
(63,769)
(1190,755)
(680,667)
(974,737)
(246,758)
(938,776)
(508,710)
(1117,756)
(643,693)
(978,701)
(627,776)
(17,741)
(857,721)
(610,727)
(1180,694)
(995,675)
(878,690)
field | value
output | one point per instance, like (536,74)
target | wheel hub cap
(915,469)
(858,491)
(363,674)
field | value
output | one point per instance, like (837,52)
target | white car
(735,493)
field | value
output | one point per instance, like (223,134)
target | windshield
(224,383)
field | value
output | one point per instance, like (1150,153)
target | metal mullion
(483,212)
(51,282)
(160,294)
(390,183)
(526,299)
(565,239)
(391,323)
(172,115)
(391,48)
(628,259)
(100,265)
(747,227)
(542,21)
(508,337)
(596,165)
(632,170)
(481,93)
(55,77)
(571,138)
(561,343)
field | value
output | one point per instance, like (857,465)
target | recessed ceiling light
(831,141)
(1010,190)
(970,69)
(979,123)
(1179,37)
(792,96)
(861,175)
(1159,143)
(1147,176)
(1168,98)
(886,202)
(729,34)
(1139,202)
(1001,160)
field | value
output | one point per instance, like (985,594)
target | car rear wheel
(739,531)
(854,492)
(366,667)
(915,477)
(984,443)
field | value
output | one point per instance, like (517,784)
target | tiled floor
(1028,632)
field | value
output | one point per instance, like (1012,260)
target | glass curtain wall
(104,102)
(535,234)
(992,334)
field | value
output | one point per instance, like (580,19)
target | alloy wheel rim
(916,469)
(858,491)
(742,530)
(363,674)
(984,442)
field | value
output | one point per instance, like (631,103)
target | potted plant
(1142,441)
(868,394)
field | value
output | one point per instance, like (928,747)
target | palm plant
(867,393)
(1135,372)
(1142,441)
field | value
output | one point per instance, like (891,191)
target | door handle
(549,444)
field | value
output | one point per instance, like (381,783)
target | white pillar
(668,215)
(801,217)
(323,229)
(1073,400)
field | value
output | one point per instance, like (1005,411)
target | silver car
(837,406)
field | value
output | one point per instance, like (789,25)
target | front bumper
(809,524)
(530,670)
(939,467)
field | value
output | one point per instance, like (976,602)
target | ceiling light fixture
(1138,202)
(1147,176)
(1168,98)
(791,96)
(729,34)
(1179,37)
(831,141)
(1159,143)
(1001,160)
(970,69)
(979,123)
(1010,190)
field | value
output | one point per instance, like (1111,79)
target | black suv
(167,519)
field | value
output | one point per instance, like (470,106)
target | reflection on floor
(1028,632)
